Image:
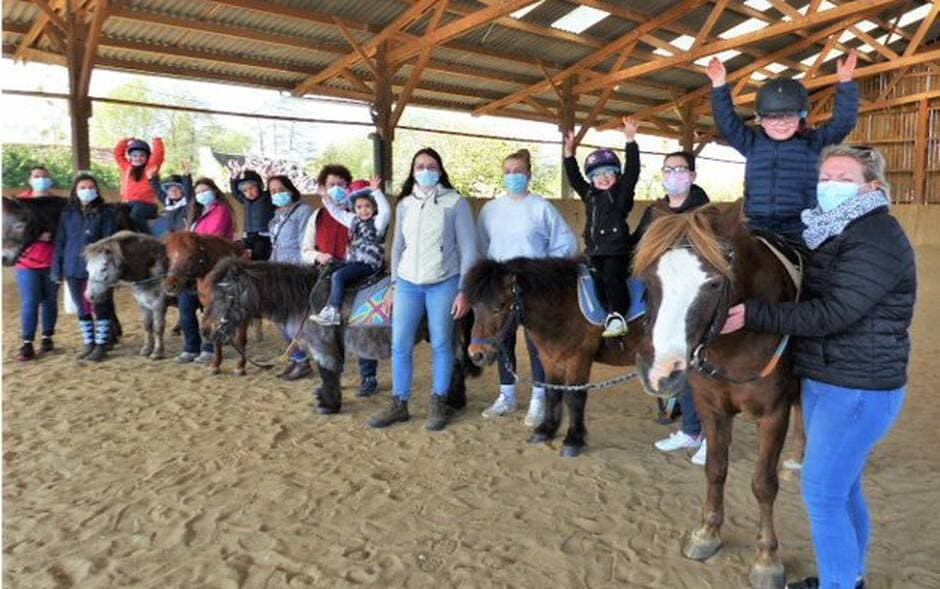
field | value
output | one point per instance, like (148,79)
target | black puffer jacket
(858,301)
(696,198)
(606,232)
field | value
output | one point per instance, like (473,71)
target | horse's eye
(714,284)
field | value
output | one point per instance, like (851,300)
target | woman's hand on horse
(323,258)
(569,143)
(716,72)
(45,236)
(388,301)
(735,320)
(461,306)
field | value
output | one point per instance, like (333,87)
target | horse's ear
(730,220)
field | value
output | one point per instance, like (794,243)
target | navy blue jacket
(780,176)
(852,325)
(79,227)
(171,220)
(258,212)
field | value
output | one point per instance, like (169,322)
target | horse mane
(114,244)
(544,277)
(694,229)
(278,291)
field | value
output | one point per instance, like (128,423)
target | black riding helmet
(138,145)
(780,95)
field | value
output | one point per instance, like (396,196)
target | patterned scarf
(821,225)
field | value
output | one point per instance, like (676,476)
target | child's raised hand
(716,72)
(846,69)
(569,143)
(187,168)
(375,183)
(630,127)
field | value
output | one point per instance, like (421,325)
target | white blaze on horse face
(681,276)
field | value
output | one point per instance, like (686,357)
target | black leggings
(613,272)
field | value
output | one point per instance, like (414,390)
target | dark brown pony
(696,266)
(192,256)
(542,296)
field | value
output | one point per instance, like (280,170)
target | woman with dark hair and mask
(434,247)
(86,219)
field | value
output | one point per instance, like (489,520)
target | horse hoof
(240,372)
(216,371)
(767,577)
(146,351)
(539,438)
(571,451)
(700,547)
(324,410)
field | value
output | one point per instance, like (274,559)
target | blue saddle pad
(366,309)
(590,304)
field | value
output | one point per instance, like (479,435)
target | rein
(515,318)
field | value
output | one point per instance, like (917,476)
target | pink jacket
(215,220)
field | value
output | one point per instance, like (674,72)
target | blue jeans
(842,427)
(141,212)
(344,275)
(412,301)
(538,372)
(38,292)
(691,424)
(189,323)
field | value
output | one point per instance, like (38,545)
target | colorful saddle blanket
(366,309)
(594,313)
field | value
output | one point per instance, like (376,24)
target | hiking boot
(329,316)
(368,387)
(701,455)
(677,441)
(204,358)
(500,407)
(298,371)
(536,411)
(46,345)
(86,351)
(186,357)
(397,410)
(98,354)
(615,326)
(439,413)
(27,352)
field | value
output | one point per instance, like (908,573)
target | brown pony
(542,296)
(696,265)
(192,256)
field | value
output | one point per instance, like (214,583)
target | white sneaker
(677,441)
(500,407)
(203,358)
(536,412)
(329,316)
(701,454)
(186,357)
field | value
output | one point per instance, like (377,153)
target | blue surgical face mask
(516,182)
(337,193)
(205,198)
(427,178)
(40,183)
(86,195)
(831,194)
(281,199)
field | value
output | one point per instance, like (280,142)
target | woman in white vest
(434,247)
(521,224)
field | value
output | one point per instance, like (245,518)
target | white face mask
(676,184)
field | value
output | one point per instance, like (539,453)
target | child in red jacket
(137,163)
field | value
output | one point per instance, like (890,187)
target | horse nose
(666,376)
(477,354)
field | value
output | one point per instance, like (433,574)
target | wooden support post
(565,124)
(687,139)
(79,104)
(384,133)
(920,153)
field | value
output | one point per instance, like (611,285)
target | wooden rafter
(598,56)
(710,22)
(37,29)
(365,52)
(51,14)
(879,47)
(418,68)
(603,98)
(822,55)
(91,48)
(770,32)
(366,59)
(922,29)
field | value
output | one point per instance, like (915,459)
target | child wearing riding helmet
(175,195)
(365,253)
(85,220)
(248,189)
(138,164)
(608,199)
(783,155)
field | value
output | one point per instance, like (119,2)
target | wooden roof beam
(51,15)
(405,95)
(91,49)
(922,29)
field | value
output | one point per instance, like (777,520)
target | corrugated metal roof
(494,60)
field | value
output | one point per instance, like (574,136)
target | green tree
(19,159)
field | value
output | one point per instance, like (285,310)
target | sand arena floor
(154,474)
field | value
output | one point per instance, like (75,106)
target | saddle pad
(366,309)
(590,304)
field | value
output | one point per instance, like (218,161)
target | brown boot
(439,413)
(397,410)
(98,354)
(86,351)
(298,370)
